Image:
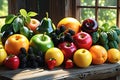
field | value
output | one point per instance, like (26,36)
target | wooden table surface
(94,72)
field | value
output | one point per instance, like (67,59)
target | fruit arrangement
(29,43)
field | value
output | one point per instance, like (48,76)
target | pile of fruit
(29,43)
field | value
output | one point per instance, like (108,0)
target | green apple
(82,58)
(41,42)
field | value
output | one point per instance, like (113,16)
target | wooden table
(94,72)
(105,71)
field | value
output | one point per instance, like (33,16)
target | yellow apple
(55,53)
(3,54)
(82,58)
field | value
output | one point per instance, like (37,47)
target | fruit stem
(60,35)
(47,15)
(68,44)
(43,37)
(52,59)
(11,55)
(1,47)
(82,35)
(83,51)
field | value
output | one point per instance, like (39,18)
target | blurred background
(104,14)
(3,11)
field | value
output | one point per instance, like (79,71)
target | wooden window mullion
(96,10)
(77,16)
(118,13)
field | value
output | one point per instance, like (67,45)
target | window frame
(97,7)
(68,8)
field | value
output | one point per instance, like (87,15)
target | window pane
(107,15)
(3,7)
(2,22)
(86,13)
(87,2)
(3,11)
(107,2)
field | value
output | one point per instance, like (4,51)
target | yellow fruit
(55,53)
(113,55)
(82,58)
(3,54)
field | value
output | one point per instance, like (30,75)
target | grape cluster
(62,34)
(30,59)
(23,58)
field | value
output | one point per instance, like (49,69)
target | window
(102,10)
(3,11)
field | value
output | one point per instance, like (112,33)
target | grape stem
(62,33)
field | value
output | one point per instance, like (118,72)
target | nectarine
(34,23)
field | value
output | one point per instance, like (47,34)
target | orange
(15,42)
(113,55)
(70,23)
(99,54)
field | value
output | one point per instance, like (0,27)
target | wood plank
(93,72)
(118,78)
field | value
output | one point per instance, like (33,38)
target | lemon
(113,55)
(55,53)
(3,54)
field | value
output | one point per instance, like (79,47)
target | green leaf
(106,27)
(113,27)
(27,20)
(17,24)
(32,14)
(23,12)
(9,19)
(5,27)
(25,31)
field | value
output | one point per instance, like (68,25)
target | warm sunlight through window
(3,11)
(101,10)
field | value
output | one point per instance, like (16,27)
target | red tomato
(12,62)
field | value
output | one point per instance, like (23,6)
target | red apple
(82,40)
(34,23)
(68,49)
(89,25)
